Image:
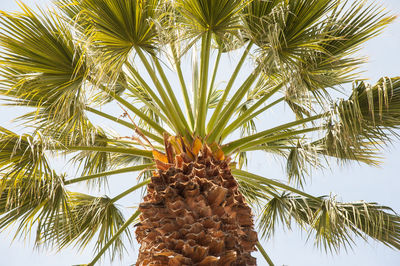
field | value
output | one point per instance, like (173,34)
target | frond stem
(221,103)
(146,87)
(108,173)
(136,111)
(171,94)
(264,254)
(171,111)
(272,182)
(200,122)
(255,143)
(132,151)
(159,106)
(183,86)
(126,124)
(247,116)
(132,189)
(215,70)
(231,146)
(230,107)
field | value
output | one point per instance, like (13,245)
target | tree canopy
(161,64)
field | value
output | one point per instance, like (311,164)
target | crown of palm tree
(162,64)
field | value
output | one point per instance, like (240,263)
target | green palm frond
(298,107)
(214,98)
(347,28)
(364,151)
(118,88)
(360,125)
(89,218)
(32,200)
(300,162)
(140,96)
(70,7)
(92,162)
(283,132)
(219,17)
(116,27)
(284,30)
(43,67)
(249,109)
(376,107)
(256,192)
(22,157)
(88,60)
(248,127)
(242,159)
(72,10)
(334,224)
(117,234)
(309,52)
(229,42)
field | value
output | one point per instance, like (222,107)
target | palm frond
(116,27)
(32,200)
(118,88)
(115,237)
(282,132)
(72,10)
(248,127)
(220,17)
(300,162)
(334,224)
(141,96)
(364,122)
(285,29)
(308,51)
(346,29)
(332,145)
(274,185)
(96,161)
(376,106)
(22,157)
(66,66)
(89,218)
(43,67)
(214,98)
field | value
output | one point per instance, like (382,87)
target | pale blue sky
(350,183)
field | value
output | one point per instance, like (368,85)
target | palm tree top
(164,65)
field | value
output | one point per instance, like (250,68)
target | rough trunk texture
(193,214)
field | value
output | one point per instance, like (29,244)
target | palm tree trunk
(194,214)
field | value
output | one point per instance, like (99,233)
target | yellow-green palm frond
(284,30)
(117,61)
(92,162)
(310,52)
(32,201)
(23,158)
(116,27)
(219,17)
(43,67)
(89,218)
(363,123)
(334,224)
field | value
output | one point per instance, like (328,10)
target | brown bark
(194,214)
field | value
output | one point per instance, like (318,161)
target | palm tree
(69,65)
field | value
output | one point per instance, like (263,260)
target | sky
(351,183)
